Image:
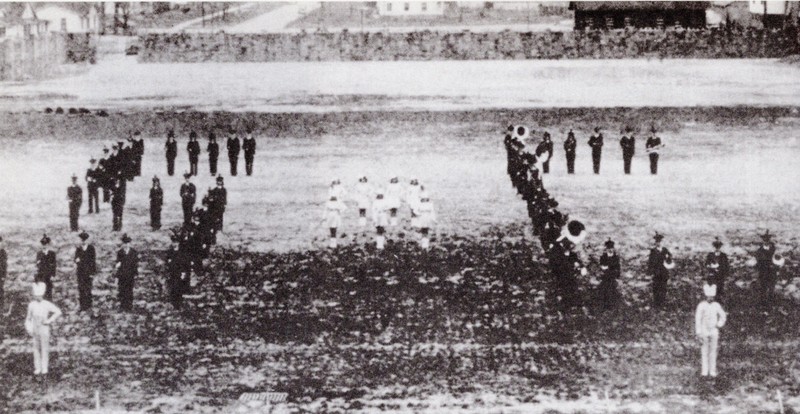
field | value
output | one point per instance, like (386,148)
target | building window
(388,7)
(63,24)
(406,6)
(424,6)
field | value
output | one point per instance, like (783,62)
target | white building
(410,8)
(27,25)
(768,7)
(67,20)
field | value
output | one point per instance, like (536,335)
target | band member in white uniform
(427,217)
(333,217)
(363,197)
(394,191)
(336,189)
(412,197)
(380,216)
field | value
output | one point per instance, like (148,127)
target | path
(273,21)
(185,25)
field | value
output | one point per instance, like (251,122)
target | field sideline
(721,175)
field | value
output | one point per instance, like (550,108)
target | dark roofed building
(591,15)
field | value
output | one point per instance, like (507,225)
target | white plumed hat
(39,289)
(710,290)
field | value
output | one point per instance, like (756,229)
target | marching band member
(393,193)
(718,267)
(336,189)
(709,318)
(658,264)
(609,264)
(767,262)
(652,147)
(363,196)
(333,217)
(427,216)
(380,217)
(41,313)
(412,196)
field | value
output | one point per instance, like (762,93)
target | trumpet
(657,148)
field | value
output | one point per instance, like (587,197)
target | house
(410,8)
(609,15)
(773,13)
(15,24)
(71,17)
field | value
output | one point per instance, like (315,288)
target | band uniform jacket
(652,144)
(129,264)
(655,262)
(628,144)
(569,146)
(171,148)
(193,148)
(249,147)
(75,195)
(85,260)
(718,264)
(188,194)
(764,259)
(213,150)
(45,265)
(156,197)
(233,146)
(596,142)
(611,272)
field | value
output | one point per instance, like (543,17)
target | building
(21,25)
(609,15)
(773,14)
(71,19)
(410,8)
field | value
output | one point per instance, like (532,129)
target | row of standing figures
(383,205)
(653,146)
(233,146)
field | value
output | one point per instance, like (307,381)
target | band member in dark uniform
(546,146)
(234,146)
(127,268)
(249,148)
(92,186)
(767,263)
(75,197)
(216,208)
(103,175)
(609,264)
(718,267)
(596,142)
(653,146)
(193,148)
(569,150)
(628,144)
(213,153)
(188,198)
(46,267)
(85,268)
(118,202)
(137,146)
(171,148)
(658,264)
(3,269)
(178,270)
(156,202)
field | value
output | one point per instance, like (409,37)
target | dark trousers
(546,167)
(74,212)
(106,194)
(596,161)
(170,166)
(125,292)
(138,167)
(155,217)
(212,165)
(571,163)
(248,164)
(85,292)
(766,287)
(626,160)
(116,211)
(654,164)
(660,290)
(176,289)
(187,213)
(193,166)
(234,162)
(608,294)
(94,199)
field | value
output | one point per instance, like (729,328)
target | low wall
(427,45)
(39,57)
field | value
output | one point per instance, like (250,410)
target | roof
(638,5)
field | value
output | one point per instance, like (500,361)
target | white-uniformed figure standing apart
(363,197)
(336,190)
(41,313)
(380,216)
(708,319)
(427,217)
(412,197)
(394,192)
(333,217)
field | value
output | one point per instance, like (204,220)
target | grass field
(724,176)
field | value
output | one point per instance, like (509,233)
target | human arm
(722,317)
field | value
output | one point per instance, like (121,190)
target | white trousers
(708,351)
(41,350)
